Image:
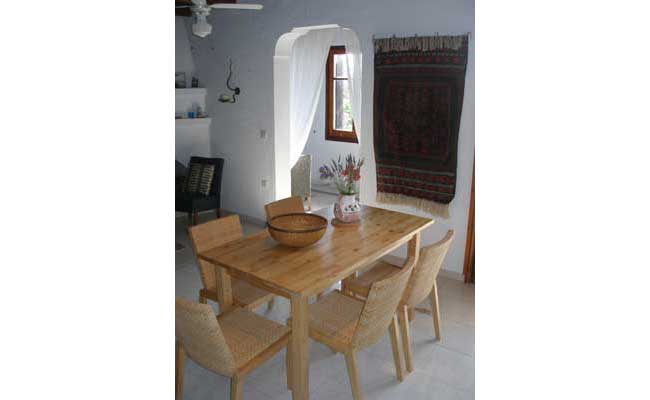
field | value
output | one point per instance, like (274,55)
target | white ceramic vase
(347,209)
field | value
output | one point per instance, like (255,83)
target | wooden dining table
(298,273)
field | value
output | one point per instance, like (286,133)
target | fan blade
(238,6)
(184,6)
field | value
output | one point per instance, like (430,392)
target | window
(338,114)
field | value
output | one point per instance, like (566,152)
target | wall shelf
(191,91)
(192,121)
(192,134)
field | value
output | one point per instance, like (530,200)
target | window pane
(342,106)
(340,70)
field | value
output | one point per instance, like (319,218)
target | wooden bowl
(297,229)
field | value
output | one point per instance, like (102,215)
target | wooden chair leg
(202,299)
(435,310)
(397,354)
(236,388)
(406,337)
(411,313)
(180,369)
(289,367)
(269,305)
(353,374)
(189,219)
(195,218)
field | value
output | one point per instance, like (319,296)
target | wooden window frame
(331,133)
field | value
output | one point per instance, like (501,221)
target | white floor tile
(419,386)
(201,384)
(445,365)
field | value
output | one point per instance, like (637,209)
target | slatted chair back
(301,177)
(380,307)
(213,234)
(425,272)
(199,332)
(285,206)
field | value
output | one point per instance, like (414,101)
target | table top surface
(258,258)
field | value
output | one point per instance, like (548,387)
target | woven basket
(297,229)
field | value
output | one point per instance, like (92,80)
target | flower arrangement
(345,177)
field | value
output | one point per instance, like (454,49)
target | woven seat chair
(217,233)
(301,179)
(232,344)
(421,285)
(347,325)
(290,205)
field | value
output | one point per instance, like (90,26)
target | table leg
(224,289)
(413,249)
(300,347)
(413,254)
(345,281)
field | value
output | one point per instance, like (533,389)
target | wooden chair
(216,233)
(421,285)
(285,206)
(346,324)
(232,344)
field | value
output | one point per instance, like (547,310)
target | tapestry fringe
(419,43)
(431,207)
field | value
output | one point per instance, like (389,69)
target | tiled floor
(443,370)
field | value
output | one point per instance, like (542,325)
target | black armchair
(201,189)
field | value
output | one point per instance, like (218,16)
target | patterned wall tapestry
(419,85)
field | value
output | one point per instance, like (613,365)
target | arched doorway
(298,69)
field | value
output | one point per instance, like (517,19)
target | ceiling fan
(201,9)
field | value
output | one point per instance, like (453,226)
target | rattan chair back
(380,307)
(426,271)
(199,332)
(290,205)
(213,234)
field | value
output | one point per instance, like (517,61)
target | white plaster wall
(184,61)
(249,38)
(192,139)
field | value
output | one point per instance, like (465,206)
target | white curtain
(307,72)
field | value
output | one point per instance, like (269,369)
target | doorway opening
(301,103)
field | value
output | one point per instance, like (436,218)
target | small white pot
(347,209)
